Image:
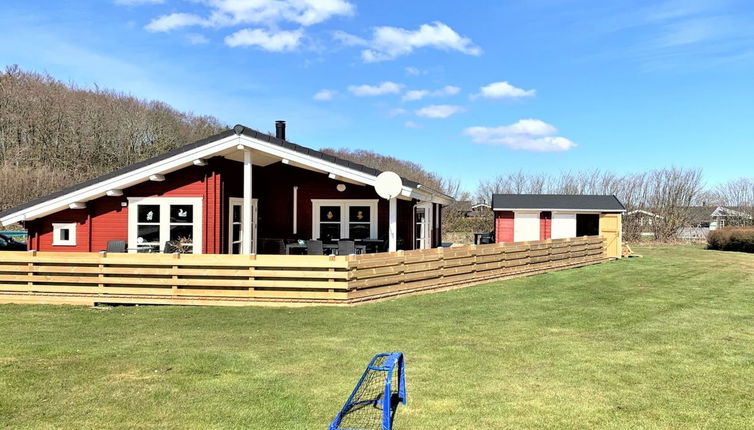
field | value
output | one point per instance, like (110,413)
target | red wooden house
(231,193)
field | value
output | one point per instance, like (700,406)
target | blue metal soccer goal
(375,398)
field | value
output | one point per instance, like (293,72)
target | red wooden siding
(107,217)
(273,187)
(503,226)
(545,225)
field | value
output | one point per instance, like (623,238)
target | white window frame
(164,203)
(345,214)
(71,227)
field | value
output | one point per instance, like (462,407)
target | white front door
(423,226)
(235,225)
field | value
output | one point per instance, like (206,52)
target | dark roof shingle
(607,203)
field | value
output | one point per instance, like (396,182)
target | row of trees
(669,193)
(54,134)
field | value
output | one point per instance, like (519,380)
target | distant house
(527,217)
(703,219)
(468,209)
(644,219)
(229,194)
(735,216)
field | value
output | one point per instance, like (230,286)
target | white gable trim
(120,182)
(336,169)
(186,159)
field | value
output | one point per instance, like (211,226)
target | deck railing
(88,278)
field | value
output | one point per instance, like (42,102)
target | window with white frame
(336,219)
(155,221)
(64,234)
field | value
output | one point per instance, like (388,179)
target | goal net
(375,398)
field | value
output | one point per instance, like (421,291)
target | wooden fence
(89,278)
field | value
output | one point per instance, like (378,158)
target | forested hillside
(54,134)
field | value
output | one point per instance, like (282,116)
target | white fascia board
(560,210)
(120,182)
(331,168)
(307,160)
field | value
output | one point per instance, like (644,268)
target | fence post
(101,274)
(252,269)
(30,271)
(174,288)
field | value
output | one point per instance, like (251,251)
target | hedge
(732,239)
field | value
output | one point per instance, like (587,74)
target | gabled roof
(206,147)
(643,212)
(722,211)
(603,203)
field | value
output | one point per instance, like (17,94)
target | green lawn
(665,341)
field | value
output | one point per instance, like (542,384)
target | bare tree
(65,134)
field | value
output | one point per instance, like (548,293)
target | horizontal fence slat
(233,279)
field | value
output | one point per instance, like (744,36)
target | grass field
(665,341)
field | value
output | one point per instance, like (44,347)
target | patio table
(360,249)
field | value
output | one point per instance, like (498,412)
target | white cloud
(415,71)
(268,13)
(413,95)
(502,90)
(526,134)
(325,95)
(138,2)
(173,21)
(438,111)
(197,39)
(411,124)
(397,112)
(375,90)
(389,43)
(269,41)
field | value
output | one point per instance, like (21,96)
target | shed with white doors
(527,217)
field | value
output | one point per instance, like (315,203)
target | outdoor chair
(116,246)
(486,238)
(171,247)
(314,247)
(274,246)
(346,247)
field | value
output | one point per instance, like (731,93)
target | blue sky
(468,89)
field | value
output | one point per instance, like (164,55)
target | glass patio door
(423,226)
(235,226)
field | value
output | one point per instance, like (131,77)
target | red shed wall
(545,225)
(503,226)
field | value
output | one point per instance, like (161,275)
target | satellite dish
(388,185)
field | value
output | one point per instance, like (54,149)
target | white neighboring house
(723,216)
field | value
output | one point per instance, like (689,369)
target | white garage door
(563,225)
(526,226)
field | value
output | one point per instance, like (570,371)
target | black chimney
(280,129)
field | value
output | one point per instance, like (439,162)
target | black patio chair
(116,246)
(346,247)
(171,247)
(274,246)
(486,238)
(314,247)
